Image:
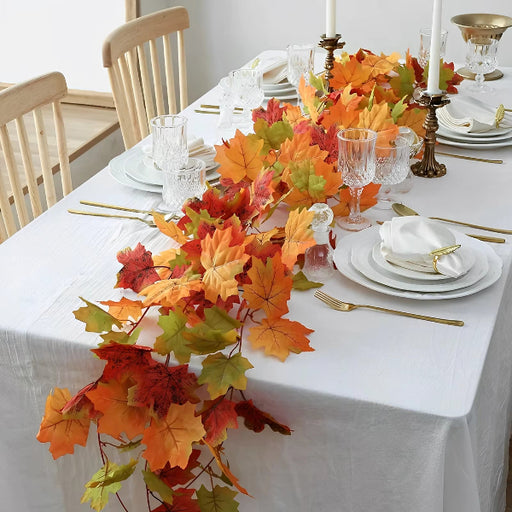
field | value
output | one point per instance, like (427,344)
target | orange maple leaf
(161,261)
(169,440)
(169,228)
(63,431)
(300,148)
(169,291)
(216,452)
(414,119)
(240,157)
(380,65)
(349,72)
(124,309)
(270,287)
(298,236)
(111,399)
(280,336)
(308,95)
(222,262)
(377,119)
(368,199)
(293,114)
(344,113)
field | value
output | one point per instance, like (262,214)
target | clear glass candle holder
(182,184)
(170,149)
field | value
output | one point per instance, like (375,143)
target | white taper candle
(330,18)
(435,49)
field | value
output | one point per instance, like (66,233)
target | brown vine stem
(200,473)
(138,321)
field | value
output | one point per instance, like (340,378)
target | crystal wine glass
(247,86)
(300,63)
(356,162)
(425,39)
(391,166)
(480,59)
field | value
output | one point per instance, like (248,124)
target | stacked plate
(282,91)
(359,258)
(134,168)
(495,138)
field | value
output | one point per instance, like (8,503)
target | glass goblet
(170,149)
(356,162)
(425,38)
(481,58)
(300,63)
(247,86)
(391,166)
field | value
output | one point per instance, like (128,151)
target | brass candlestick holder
(428,167)
(330,44)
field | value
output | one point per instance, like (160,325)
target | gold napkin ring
(437,253)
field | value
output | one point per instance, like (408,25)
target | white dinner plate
(277,87)
(449,134)
(342,257)
(281,97)
(474,145)
(362,260)
(468,260)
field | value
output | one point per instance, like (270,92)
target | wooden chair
(27,107)
(131,55)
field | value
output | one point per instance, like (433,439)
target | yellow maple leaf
(169,440)
(414,119)
(169,228)
(240,157)
(169,291)
(161,261)
(298,236)
(380,65)
(222,262)
(124,309)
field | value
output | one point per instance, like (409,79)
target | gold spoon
(404,211)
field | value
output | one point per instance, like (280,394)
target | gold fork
(346,306)
(150,223)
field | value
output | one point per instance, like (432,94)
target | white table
(389,413)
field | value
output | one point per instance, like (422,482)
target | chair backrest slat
(131,84)
(21,139)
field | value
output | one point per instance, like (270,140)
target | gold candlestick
(428,167)
(330,44)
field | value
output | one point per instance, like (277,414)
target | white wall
(225,34)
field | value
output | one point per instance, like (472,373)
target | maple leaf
(380,65)
(124,309)
(203,339)
(124,360)
(240,157)
(161,386)
(300,148)
(216,451)
(106,481)
(255,419)
(222,262)
(272,135)
(111,399)
(182,502)
(169,291)
(219,499)
(95,318)
(271,114)
(301,282)
(218,415)
(138,271)
(377,119)
(172,339)
(174,476)
(309,99)
(298,236)
(62,433)
(414,118)
(270,287)
(169,439)
(280,336)
(368,199)
(350,72)
(344,113)
(262,190)
(221,372)
(155,484)
(169,228)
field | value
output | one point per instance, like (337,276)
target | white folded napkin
(408,242)
(274,69)
(465,114)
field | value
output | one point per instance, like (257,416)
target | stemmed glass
(356,162)
(391,166)
(300,63)
(247,86)
(480,59)
(425,38)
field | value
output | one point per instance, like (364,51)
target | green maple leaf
(219,499)
(95,318)
(304,178)
(217,318)
(403,84)
(274,135)
(318,82)
(172,339)
(398,109)
(195,220)
(221,372)
(120,337)
(445,76)
(106,481)
(156,485)
(202,339)
(301,282)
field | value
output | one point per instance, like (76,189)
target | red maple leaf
(80,402)
(218,415)
(182,501)
(327,140)
(177,476)
(124,360)
(271,115)
(256,419)
(138,270)
(161,386)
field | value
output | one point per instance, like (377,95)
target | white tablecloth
(388,414)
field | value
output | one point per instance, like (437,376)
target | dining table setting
(295,294)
